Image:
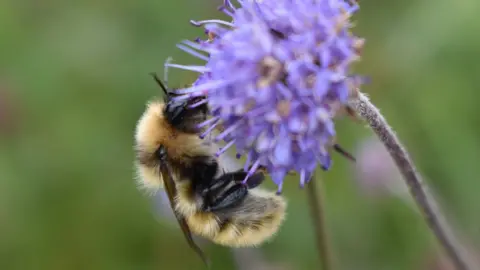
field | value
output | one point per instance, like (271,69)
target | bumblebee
(209,200)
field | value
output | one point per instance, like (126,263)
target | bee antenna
(160,83)
(343,152)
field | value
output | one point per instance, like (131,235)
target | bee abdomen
(248,233)
(254,227)
(204,224)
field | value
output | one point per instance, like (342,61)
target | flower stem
(418,189)
(318,217)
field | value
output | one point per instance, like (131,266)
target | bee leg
(204,177)
(230,198)
(238,177)
(252,182)
(225,191)
(262,169)
(255,180)
(207,185)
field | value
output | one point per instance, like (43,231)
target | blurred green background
(74,80)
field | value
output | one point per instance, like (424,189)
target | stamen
(354,8)
(195,105)
(208,122)
(199,87)
(195,46)
(302,178)
(257,112)
(252,170)
(165,71)
(225,148)
(325,168)
(248,161)
(238,155)
(212,31)
(279,190)
(224,134)
(203,135)
(324,160)
(342,21)
(230,5)
(271,70)
(192,52)
(230,102)
(224,9)
(257,9)
(182,97)
(358,44)
(199,69)
(200,41)
(200,23)
(283,90)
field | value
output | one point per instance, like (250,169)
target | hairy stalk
(418,189)
(318,217)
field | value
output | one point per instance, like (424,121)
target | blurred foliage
(76,78)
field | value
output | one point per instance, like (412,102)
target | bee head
(180,113)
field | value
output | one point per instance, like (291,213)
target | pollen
(270,71)
(358,44)
(310,81)
(284,108)
(342,21)
(211,36)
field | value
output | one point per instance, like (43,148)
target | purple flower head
(275,78)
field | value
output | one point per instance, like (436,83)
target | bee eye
(161,153)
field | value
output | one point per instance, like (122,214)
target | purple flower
(275,78)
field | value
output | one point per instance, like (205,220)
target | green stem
(418,189)
(318,218)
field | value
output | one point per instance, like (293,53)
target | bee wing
(171,191)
